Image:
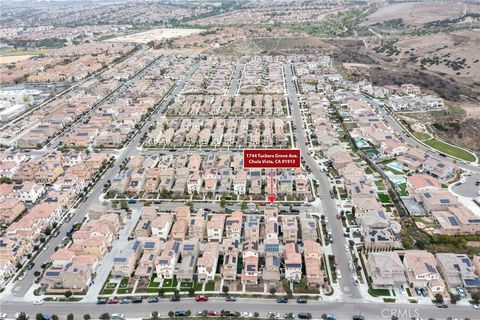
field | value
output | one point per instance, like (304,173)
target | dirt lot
(417,13)
(155,34)
(12,59)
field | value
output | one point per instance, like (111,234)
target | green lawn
(402,189)
(368,170)
(169,283)
(153,284)
(210,286)
(198,286)
(124,290)
(108,291)
(451,150)
(378,292)
(379,185)
(422,136)
(186,285)
(384,198)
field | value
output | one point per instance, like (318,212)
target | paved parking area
(468,188)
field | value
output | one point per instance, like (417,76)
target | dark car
(423,292)
(175,298)
(230,299)
(442,305)
(30,266)
(137,300)
(102,301)
(230,314)
(358,317)
(282,300)
(180,314)
(304,315)
(302,300)
(152,300)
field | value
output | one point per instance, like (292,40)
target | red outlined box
(271,158)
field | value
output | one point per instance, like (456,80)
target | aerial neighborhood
(123,172)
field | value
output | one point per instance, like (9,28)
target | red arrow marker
(271,197)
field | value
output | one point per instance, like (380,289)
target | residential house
(385,269)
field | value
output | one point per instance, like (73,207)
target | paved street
(468,188)
(329,205)
(342,310)
(234,84)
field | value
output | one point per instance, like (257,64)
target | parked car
(423,292)
(460,292)
(112,301)
(442,305)
(304,315)
(102,301)
(152,300)
(38,302)
(137,300)
(117,316)
(201,298)
(246,314)
(30,266)
(282,300)
(230,299)
(358,317)
(302,300)
(125,301)
(180,314)
(213,313)
(273,315)
(289,315)
(175,298)
(330,316)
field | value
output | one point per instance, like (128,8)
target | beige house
(385,269)
(421,269)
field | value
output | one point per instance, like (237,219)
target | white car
(246,314)
(347,247)
(38,302)
(117,316)
(22,276)
(476,306)
(273,315)
(339,274)
(3,315)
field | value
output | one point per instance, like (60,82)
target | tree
(454,298)
(68,294)
(394,317)
(154,315)
(70,316)
(243,206)
(176,292)
(86,317)
(171,314)
(191,292)
(256,315)
(124,205)
(54,317)
(188,313)
(438,298)
(273,291)
(476,297)
(161,292)
(289,293)
(225,289)
(105,316)
(39,316)
(223,202)
(22,316)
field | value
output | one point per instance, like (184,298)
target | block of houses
(166,262)
(189,253)
(252,227)
(230,260)
(293,262)
(207,263)
(161,226)
(289,228)
(385,269)
(312,254)
(179,229)
(198,225)
(233,225)
(215,227)
(458,270)
(422,272)
(271,271)
(125,261)
(146,265)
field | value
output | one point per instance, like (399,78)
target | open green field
(451,150)
(422,136)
